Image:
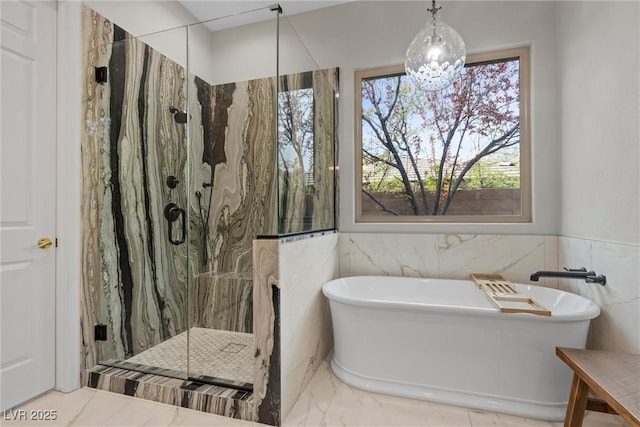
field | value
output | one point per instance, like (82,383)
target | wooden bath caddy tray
(499,290)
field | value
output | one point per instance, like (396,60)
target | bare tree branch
(379,159)
(380,205)
(478,108)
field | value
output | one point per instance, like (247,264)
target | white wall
(69,189)
(241,53)
(162,25)
(245,53)
(598,74)
(367,34)
(139,18)
(251,51)
(599,134)
(142,17)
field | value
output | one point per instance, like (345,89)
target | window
(457,155)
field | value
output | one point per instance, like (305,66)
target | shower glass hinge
(100,332)
(101,74)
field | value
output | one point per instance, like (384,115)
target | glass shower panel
(139,146)
(232,183)
(305,137)
(198,140)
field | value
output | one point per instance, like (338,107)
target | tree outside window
(460,154)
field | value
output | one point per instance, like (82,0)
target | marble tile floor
(325,402)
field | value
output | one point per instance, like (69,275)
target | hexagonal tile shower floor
(213,355)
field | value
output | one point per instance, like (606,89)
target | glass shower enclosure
(199,139)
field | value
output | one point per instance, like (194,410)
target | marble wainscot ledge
(178,392)
(306,235)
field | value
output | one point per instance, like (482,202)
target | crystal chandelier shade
(436,55)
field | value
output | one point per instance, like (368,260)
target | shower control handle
(172,181)
(173,213)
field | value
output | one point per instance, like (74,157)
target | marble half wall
(306,332)
(292,327)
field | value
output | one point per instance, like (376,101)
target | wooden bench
(614,377)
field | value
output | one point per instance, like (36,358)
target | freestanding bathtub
(443,341)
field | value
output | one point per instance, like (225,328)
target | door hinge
(100,332)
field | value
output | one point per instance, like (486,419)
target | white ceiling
(226,14)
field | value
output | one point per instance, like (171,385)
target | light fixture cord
(434,10)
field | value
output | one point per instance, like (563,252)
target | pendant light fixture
(436,55)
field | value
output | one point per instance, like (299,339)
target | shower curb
(203,397)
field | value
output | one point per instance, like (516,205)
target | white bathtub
(443,341)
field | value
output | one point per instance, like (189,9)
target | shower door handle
(173,213)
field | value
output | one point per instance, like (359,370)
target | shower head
(179,116)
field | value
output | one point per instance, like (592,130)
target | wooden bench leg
(577,402)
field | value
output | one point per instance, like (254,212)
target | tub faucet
(571,273)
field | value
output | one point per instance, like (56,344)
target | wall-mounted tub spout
(568,273)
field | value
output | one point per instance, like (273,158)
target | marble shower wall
(233,148)
(134,280)
(238,120)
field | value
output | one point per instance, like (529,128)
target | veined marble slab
(231,186)
(135,280)
(187,394)
(266,325)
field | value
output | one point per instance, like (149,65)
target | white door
(27,199)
